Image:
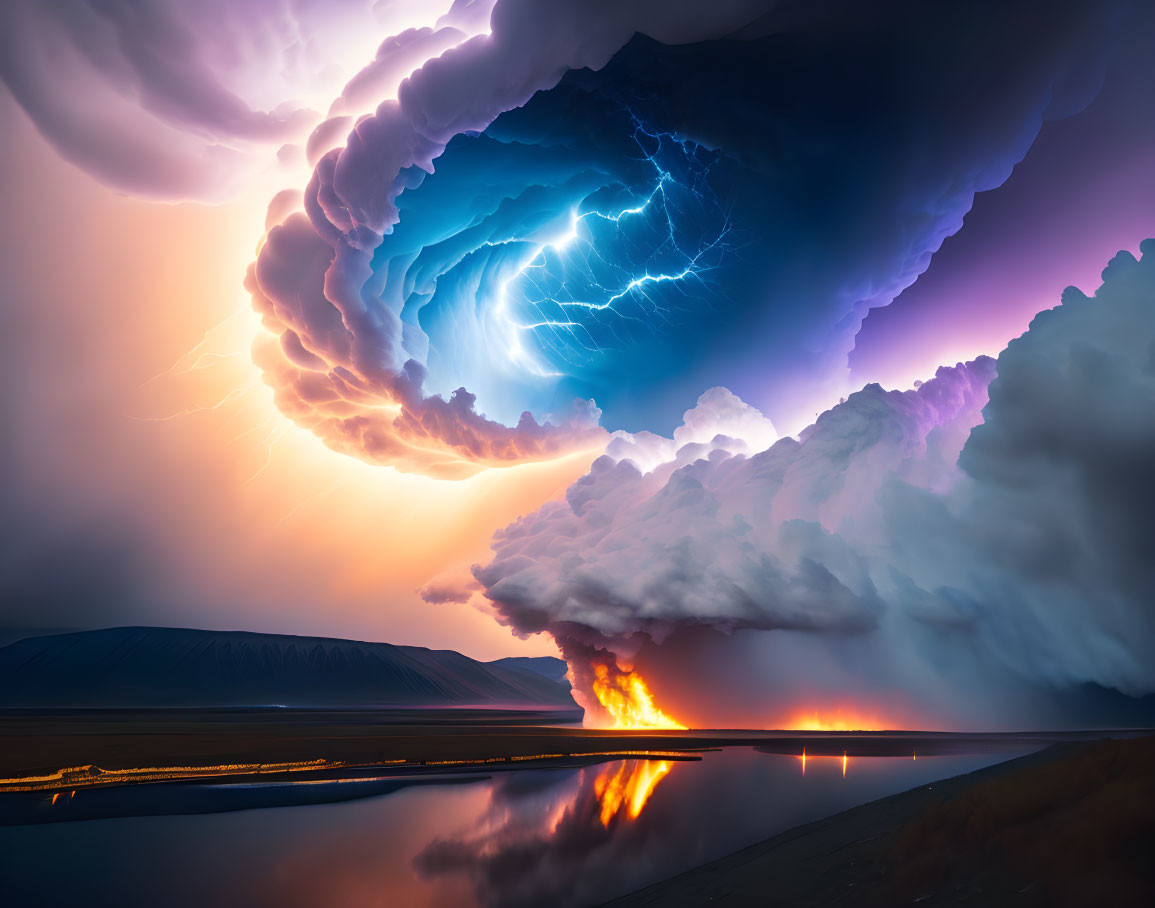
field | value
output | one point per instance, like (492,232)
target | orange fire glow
(628,788)
(837,720)
(627,698)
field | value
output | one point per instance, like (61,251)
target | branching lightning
(228,398)
(204,359)
(576,298)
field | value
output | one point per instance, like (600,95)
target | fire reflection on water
(629,787)
(572,822)
(497,837)
(844,760)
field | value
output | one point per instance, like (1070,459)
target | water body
(572,836)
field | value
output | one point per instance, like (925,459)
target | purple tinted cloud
(1033,552)
(344,372)
(346,384)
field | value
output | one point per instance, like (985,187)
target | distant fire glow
(626,697)
(836,720)
(628,788)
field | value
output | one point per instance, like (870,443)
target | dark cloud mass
(794,180)
(1054,521)
(559,203)
(568,207)
(1034,553)
(345,371)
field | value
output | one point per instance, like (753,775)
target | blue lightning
(575,299)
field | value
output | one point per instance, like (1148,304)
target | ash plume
(902,537)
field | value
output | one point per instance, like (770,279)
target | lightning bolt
(188,411)
(204,360)
(271,442)
(536,299)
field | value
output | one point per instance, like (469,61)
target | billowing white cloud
(918,525)
(712,536)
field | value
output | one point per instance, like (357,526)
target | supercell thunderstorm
(538,228)
(484,280)
(576,221)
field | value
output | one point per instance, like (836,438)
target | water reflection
(629,786)
(560,836)
(552,838)
(541,836)
(843,761)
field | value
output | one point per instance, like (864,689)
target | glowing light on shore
(90,776)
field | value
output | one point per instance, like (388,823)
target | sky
(642,334)
(129,501)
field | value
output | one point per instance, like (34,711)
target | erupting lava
(630,787)
(627,698)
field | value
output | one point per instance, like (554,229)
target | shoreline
(1014,833)
(62,751)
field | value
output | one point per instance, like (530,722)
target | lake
(570,836)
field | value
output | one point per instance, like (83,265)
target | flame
(627,698)
(630,787)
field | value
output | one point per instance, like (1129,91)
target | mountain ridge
(154,666)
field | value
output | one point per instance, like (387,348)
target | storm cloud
(555,211)
(923,526)
(528,228)
(527,218)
